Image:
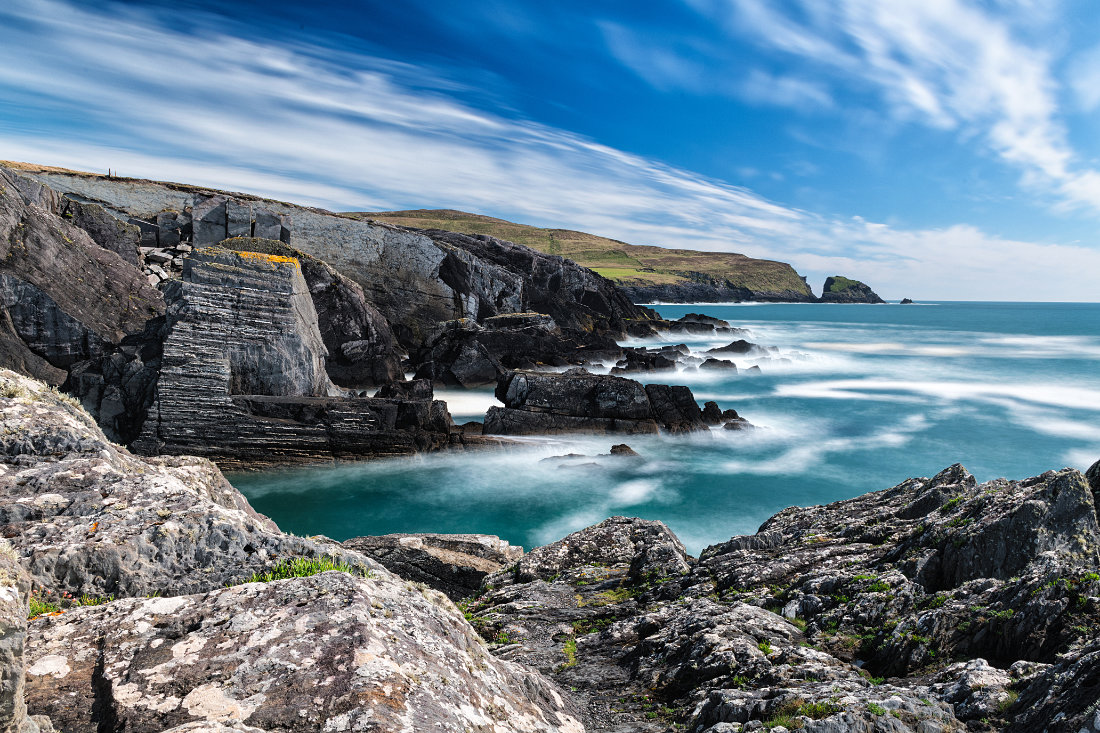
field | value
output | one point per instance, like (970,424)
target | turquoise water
(863,397)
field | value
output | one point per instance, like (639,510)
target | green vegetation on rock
(622,263)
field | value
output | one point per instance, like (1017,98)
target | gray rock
(838,289)
(42,256)
(322,653)
(105,229)
(454,564)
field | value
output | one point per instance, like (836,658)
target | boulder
(453,564)
(906,301)
(321,653)
(725,364)
(740,346)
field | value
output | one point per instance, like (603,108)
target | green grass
(875,709)
(45,602)
(570,652)
(841,283)
(303,567)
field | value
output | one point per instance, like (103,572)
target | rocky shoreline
(162,601)
(140,592)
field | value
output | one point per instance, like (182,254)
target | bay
(857,398)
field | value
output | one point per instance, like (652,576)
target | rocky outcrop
(351,648)
(64,298)
(242,374)
(453,564)
(415,278)
(577,401)
(322,653)
(465,353)
(362,351)
(839,289)
(706,289)
(850,616)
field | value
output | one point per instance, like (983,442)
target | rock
(719,364)
(711,321)
(540,403)
(457,358)
(675,408)
(107,230)
(643,360)
(521,320)
(42,255)
(906,301)
(362,350)
(15,589)
(740,346)
(413,389)
(1093,477)
(320,653)
(453,564)
(739,423)
(88,518)
(643,546)
(839,289)
(622,449)
(712,413)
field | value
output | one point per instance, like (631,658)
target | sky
(935,149)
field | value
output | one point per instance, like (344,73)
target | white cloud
(944,63)
(309,125)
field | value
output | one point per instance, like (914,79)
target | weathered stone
(362,351)
(41,256)
(725,364)
(105,229)
(209,220)
(322,653)
(15,589)
(454,564)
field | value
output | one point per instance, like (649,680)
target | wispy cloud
(309,124)
(947,64)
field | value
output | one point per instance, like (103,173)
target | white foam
(903,391)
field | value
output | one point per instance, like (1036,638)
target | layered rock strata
(242,374)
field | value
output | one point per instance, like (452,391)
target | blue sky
(933,148)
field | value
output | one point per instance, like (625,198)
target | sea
(854,398)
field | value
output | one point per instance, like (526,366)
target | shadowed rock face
(65,298)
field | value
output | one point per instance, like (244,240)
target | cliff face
(415,280)
(646,274)
(63,298)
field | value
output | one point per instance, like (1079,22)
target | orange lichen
(266,257)
(95,526)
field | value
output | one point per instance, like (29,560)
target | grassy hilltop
(628,265)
